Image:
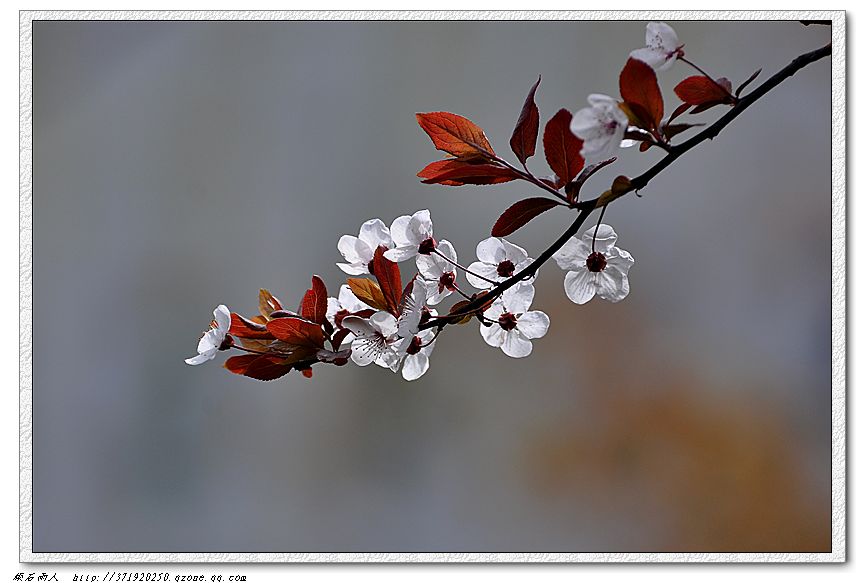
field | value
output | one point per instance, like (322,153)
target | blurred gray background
(178,165)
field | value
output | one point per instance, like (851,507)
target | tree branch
(586,208)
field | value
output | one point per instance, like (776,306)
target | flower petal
(533,324)
(655,58)
(493,335)
(661,35)
(350,247)
(573,254)
(484,270)
(415,366)
(580,285)
(514,253)
(222,315)
(491,250)
(604,241)
(365,350)
(384,322)
(518,298)
(359,327)
(199,359)
(354,268)
(401,253)
(516,345)
(399,230)
(420,227)
(374,233)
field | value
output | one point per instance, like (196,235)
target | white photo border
(839,278)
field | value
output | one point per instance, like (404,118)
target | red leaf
(297,332)
(259,367)
(460,173)
(267,368)
(389,280)
(562,147)
(267,303)
(700,90)
(639,86)
(521,213)
(525,135)
(239,364)
(314,304)
(454,134)
(243,328)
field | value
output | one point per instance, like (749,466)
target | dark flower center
(427,246)
(596,262)
(414,347)
(227,343)
(508,321)
(425,315)
(505,268)
(446,281)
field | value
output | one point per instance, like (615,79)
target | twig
(586,208)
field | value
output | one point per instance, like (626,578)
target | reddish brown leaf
(387,274)
(454,134)
(525,135)
(521,213)
(239,364)
(243,328)
(368,292)
(259,367)
(297,332)
(267,303)
(313,307)
(459,173)
(639,87)
(562,147)
(267,368)
(700,90)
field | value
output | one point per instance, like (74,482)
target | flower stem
(465,269)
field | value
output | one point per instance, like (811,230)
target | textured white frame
(839,274)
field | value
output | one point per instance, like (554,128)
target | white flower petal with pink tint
(662,47)
(609,278)
(372,337)
(408,232)
(213,338)
(498,259)
(514,326)
(359,251)
(601,127)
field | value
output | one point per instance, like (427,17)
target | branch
(586,208)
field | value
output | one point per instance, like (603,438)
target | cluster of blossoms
(380,317)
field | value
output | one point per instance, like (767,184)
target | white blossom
(514,326)
(603,272)
(498,260)
(662,47)
(373,337)
(213,338)
(601,127)
(438,272)
(359,251)
(412,235)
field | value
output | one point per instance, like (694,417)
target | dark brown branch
(588,207)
